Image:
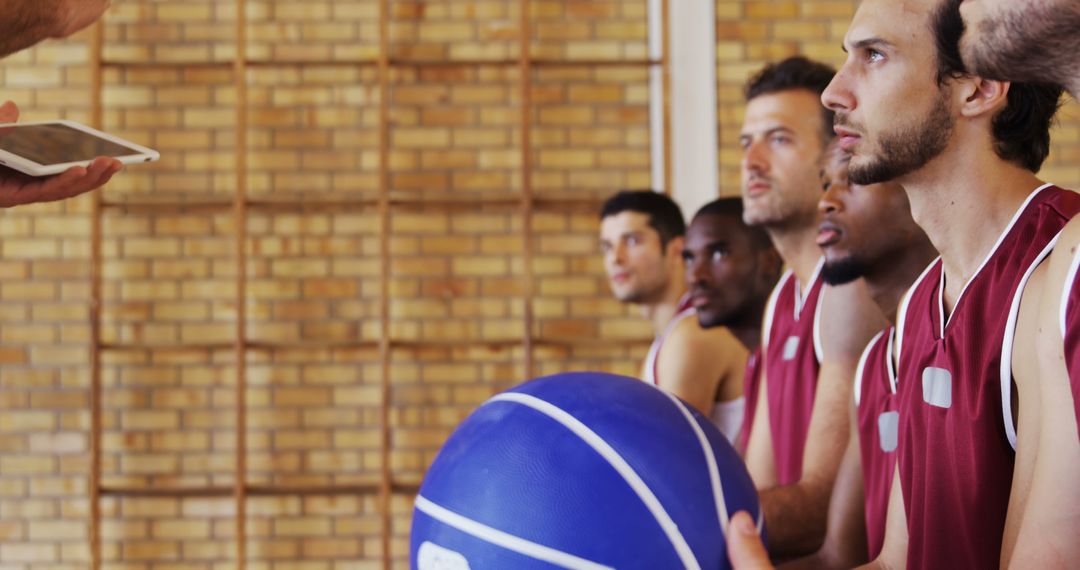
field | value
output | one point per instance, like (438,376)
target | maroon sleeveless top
(1070,330)
(751,389)
(877,412)
(956,455)
(792,361)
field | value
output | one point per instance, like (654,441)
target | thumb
(744,544)
(9,112)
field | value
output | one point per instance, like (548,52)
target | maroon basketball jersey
(955,454)
(751,388)
(792,360)
(1070,329)
(878,416)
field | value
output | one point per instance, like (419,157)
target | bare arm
(27,22)
(760,460)
(845,537)
(693,362)
(893,554)
(796,514)
(1041,530)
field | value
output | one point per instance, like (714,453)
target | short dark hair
(732,207)
(664,215)
(796,72)
(1022,129)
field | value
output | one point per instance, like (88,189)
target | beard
(1038,45)
(907,149)
(842,271)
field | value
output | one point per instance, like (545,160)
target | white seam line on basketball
(1069,280)
(504,539)
(710,461)
(1010,338)
(671,530)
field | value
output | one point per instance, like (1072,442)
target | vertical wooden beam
(385,476)
(527,199)
(240,68)
(97,38)
(665,62)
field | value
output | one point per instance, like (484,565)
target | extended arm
(27,22)
(796,515)
(845,537)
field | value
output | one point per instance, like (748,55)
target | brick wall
(456,268)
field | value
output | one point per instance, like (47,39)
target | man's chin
(708,320)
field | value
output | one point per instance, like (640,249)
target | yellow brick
(30,553)
(27,465)
(302,526)
(27,421)
(151,420)
(150,550)
(180,529)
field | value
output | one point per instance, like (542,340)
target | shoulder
(849,318)
(688,331)
(844,304)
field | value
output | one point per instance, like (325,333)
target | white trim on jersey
(901,314)
(1070,279)
(862,366)
(653,357)
(819,352)
(770,308)
(505,539)
(799,300)
(728,417)
(1007,344)
(993,250)
(890,364)
(604,449)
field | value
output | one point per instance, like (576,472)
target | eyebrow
(778,129)
(875,41)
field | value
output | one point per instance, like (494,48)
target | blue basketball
(581,470)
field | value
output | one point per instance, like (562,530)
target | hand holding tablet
(54,160)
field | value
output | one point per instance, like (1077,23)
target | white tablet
(43,148)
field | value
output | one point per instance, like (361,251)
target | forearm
(815,561)
(27,22)
(795,518)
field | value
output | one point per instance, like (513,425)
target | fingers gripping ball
(580,470)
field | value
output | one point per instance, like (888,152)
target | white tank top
(726,416)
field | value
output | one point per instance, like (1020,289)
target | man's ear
(675,246)
(982,97)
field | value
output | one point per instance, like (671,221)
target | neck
(798,249)
(964,210)
(747,328)
(661,311)
(888,283)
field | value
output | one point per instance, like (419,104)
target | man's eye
(873,55)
